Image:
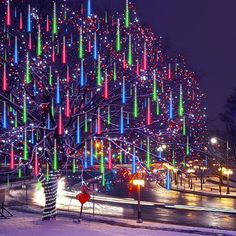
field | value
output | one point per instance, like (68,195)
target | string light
(105,79)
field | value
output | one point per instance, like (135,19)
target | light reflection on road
(174,197)
(151,210)
(67,201)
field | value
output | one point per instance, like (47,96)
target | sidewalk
(28,222)
(210,188)
(17,183)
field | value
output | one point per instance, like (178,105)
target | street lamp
(175,170)
(163,146)
(214,140)
(221,171)
(161,150)
(202,168)
(228,172)
(190,172)
(196,169)
(139,183)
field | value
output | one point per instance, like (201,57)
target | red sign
(83,197)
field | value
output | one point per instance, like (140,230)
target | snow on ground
(26,224)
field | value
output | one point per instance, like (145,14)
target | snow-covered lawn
(26,224)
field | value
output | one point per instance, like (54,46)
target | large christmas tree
(83,91)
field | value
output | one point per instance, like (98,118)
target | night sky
(202,30)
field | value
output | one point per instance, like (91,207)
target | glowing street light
(190,171)
(139,183)
(98,144)
(214,140)
(163,146)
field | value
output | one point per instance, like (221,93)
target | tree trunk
(50,190)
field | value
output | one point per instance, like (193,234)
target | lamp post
(228,172)
(181,178)
(175,170)
(202,168)
(215,140)
(139,183)
(161,151)
(221,171)
(196,170)
(190,172)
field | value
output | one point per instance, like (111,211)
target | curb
(203,194)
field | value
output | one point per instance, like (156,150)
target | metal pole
(93,200)
(227,183)
(26,195)
(221,176)
(176,179)
(227,153)
(201,179)
(81,210)
(203,174)
(220,180)
(139,208)
(191,185)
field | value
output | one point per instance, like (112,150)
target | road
(158,205)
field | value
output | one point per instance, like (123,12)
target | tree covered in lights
(82,91)
(228,116)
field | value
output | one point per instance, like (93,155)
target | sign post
(83,197)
